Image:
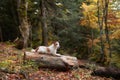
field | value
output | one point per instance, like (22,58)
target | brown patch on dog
(36,49)
(48,50)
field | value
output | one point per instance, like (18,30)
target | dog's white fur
(52,49)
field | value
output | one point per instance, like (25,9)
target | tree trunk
(24,25)
(100,24)
(44,24)
(106,28)
(1,37)
(60,62)
(92,34)
(14,11)
(15,15)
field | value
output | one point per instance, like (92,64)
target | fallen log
(107,72)
(57,61)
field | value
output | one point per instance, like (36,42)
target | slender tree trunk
(13,10)
(100,24)
(24,25)
(92,34)
(92,37)
(106,27)
(15,16)
(44,24)
(1,37)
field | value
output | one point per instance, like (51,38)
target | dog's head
(56,44)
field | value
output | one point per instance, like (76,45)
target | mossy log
(58,61)
(107,72)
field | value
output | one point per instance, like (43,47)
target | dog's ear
(55,43)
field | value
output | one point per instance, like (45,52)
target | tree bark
(92,34)
(100,24)
(24,25)
(44,23)
(1,37)
(60,62)
(106,28)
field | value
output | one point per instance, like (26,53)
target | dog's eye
(56,43)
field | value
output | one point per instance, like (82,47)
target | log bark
(58,61)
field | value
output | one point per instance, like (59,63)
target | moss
(5,64)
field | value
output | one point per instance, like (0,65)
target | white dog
(52,49)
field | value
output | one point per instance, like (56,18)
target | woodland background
(87,29)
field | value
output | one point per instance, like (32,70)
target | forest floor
(12,68)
